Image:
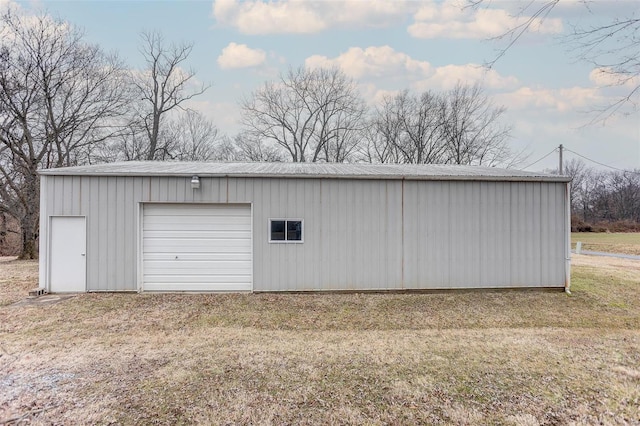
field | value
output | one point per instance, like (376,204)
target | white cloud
(555,100)
(301,17)
(28,19)
(375,61)
(256,17)
(446,77)
(377,96)
(432,18)
(240,56)
(8,5)
(603,77)
(454,19)
(371,13)
(383,62)
(225,115)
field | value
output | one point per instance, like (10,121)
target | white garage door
(196,247)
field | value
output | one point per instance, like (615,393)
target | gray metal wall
(358,234)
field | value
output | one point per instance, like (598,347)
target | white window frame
(285,241)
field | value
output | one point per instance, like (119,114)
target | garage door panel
(222,286)
(187,222)
(194,247)
(176,244)
(207,256)
(179,267)
(201,251)
(190,277)
(184,280)
(198,210)
(200,234)
(157,246)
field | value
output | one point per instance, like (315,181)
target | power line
(539,160)
(602,164)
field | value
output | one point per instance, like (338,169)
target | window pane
(277,230)
(294,230)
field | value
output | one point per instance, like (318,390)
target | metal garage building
(154,226)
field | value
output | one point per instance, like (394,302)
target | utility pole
(560,148)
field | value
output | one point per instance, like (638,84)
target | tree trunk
(30,219)
(155,131)
(29,236)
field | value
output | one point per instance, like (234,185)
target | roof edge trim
(548,178)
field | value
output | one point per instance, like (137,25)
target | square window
(286,230)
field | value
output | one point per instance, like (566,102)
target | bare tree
(603,196)
(471,129)
(374,147)
(248,148)
(163,86)
(192,137)
(613,49)
(592,190)
(461,126)
(313,115)
(132,144)
(624,196)
(579,174)
(410,128)
(58,96)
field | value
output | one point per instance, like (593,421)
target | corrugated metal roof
(305,170)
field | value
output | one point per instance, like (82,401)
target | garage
(268,227)
(196,247)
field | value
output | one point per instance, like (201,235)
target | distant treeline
(603,201)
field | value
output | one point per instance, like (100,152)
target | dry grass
(520,358)
(17,277)
(621,242)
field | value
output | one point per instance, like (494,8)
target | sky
(389,46)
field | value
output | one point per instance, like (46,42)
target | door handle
(81,254)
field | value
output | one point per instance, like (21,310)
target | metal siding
(412,247)
(313,232)
(343,248)
(483,234)
(456,234)
(518,210)
(460,238)
(127,239)
(551,249)
(94,233)
(498,252)
(393,225)
(441,223)
(559,248)
(45,183)
(260,239)
(532,239)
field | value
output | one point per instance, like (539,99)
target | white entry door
(67,255)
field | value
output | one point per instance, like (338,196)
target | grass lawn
(620,242)
(511,357)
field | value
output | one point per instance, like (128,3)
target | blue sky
(386,46)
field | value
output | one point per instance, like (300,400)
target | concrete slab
(47,299)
